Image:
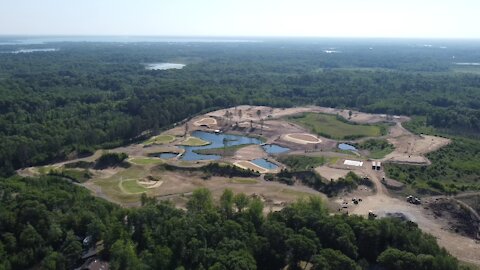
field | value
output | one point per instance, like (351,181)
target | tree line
(43,222)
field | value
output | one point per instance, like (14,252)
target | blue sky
(334,18)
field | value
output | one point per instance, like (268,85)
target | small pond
(264,163)
(274,149)
(348,147)
(163,66)
(216,141)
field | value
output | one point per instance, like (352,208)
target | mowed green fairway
(118,186)
(131,186)
(194,141)
(145,161)
(160,139)
(330,126)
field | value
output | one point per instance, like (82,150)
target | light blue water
(274,149)
(216,141)
(164,66)
(264,163)
(344,146)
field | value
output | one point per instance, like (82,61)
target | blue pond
(274,149)
(216,141)
(344,146)
(264,163)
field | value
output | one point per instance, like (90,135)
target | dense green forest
(87,95)
(43,222)
(90,95)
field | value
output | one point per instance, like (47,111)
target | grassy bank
(336,127)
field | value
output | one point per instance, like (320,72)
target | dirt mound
(457,217)
(302,138)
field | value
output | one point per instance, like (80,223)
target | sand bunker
(247,165)
(206,121)
(302,138)
(150,184)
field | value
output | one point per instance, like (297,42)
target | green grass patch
(160,139)
(302,163)
(45,169)
(111,186)
(378,148)
(145,161)
(332,160)
(336,127)
(194,141)
(131,186)
(243,181)
(223,151)
(78,176)
(454,168)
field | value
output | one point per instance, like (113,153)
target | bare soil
(331,173)
(209,121)
(411,148)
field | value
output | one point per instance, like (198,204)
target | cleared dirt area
(382,204)
(411,148)
(251,113)
(250,152)
(125,185)
(178,185)
(331,173)
(209,121)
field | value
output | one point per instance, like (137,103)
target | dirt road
(464,248)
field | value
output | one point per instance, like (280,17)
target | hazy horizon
(409,19)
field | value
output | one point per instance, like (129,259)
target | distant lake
(467,64)
(164,66)
(32,50)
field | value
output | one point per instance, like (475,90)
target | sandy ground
(410,148)
(301,138)
(464,248)
(177,186)
(250,152)
(150,184)
(250,113)
(331,173)
(209,121)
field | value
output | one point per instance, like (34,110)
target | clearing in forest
(336,127)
